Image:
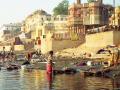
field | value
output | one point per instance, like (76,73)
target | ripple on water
(38,80)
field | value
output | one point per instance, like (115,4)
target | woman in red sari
(49,65)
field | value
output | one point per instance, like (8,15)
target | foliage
(17,30)
(61,8)
(89,1)
(74,36)
(118,10)
(119,7)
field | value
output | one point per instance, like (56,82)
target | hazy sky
(16,10)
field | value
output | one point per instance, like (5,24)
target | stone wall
(64,44)
(116,37)
(7,48)
(16,47)
(49,43)
(37,47)
(103,39)
(19,47)
(46,43)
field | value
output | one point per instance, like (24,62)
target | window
(61,19)
(41,18)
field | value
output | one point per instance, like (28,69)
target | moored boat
(28,66)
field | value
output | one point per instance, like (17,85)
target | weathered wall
(116,37)
(102,39)
(48,44)
(37,47)
(19,47)
(64,44)
(7,48)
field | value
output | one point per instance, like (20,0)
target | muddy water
(40,80)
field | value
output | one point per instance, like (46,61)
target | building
(56,35)
(9,31)
(39,25)
(57,26)
(4,35)
(115,18)
(34,22)
(84,16)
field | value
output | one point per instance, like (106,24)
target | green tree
(119,7)
(61,8)
(89,1)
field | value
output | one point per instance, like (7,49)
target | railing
(103,29)
(61,36)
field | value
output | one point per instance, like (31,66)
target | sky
(12,11)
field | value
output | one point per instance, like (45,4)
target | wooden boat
(65,71)
(12,67)
(28,66)
(70,71)
(56,72)
(46,62)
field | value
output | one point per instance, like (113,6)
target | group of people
(49,59)
(7,56)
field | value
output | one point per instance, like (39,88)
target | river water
(40,80)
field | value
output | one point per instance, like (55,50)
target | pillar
(78,1)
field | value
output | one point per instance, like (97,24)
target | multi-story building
(115,18)
(86,15)
(9,30)
(43,28)
(57,26)
(33,22)
(40,23)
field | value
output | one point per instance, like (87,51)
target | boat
(12,67)
(64,71)
(28,66)
(56,72)
(92,67)
(68,70)
(46,62)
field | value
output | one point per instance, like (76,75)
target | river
(40,80)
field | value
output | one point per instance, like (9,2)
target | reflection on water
(40,80)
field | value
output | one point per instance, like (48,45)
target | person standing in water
(49,69)
(3,55)
(49,65)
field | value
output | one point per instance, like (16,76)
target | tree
(89,1)
(61,8)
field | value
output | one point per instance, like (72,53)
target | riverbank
(77,51)
(81,52)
